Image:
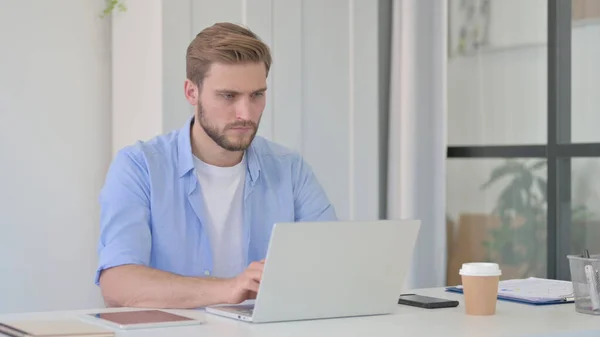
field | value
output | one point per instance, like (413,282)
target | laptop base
(240,312)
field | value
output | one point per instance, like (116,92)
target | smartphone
(426,301)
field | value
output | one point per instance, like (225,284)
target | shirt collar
(185,157)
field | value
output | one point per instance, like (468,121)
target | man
(186,217)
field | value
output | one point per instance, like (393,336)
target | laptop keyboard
(246,310)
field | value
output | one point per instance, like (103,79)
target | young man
(186,217)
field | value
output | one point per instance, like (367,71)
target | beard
(229,143)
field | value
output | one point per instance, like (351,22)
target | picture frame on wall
(468,26)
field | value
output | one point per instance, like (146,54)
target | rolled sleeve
(310,200)
(125,235)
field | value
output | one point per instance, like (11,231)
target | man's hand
(245,285)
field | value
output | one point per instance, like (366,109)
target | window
(523,177)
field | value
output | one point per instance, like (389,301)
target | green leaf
(538,165)
(525,181)
(111,5)
(543,186)
(510,167)
(511,197)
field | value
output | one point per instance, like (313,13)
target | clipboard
(532,291)
(520,300)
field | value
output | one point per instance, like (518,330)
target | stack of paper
(533,291)
(536,289)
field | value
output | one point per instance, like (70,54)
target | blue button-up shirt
(152,212)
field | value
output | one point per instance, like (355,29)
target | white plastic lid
(480,269)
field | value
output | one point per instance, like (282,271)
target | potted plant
(519,242)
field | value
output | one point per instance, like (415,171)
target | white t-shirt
(223,193)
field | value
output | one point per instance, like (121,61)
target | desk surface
(511,319)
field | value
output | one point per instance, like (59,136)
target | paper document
(536,289)
(532,290)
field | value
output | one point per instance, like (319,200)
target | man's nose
(243,109)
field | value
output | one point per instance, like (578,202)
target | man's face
(231,103)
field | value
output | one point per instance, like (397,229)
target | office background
(523,112)
(372,93)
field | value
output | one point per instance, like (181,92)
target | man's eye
(227,96)
(259,94)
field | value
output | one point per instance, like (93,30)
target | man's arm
(310,200)
(141,286)
(124,275)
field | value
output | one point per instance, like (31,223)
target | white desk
(511,319)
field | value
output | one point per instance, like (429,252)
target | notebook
(54,328)
(140,319)
(535,291)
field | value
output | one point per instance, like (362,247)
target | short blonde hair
(224,43)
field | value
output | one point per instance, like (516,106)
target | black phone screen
(426,301)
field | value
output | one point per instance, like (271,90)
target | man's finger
(256,266)
(254,274)
(252,285)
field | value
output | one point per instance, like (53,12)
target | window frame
(558,151)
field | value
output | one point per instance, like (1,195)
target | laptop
(316,270)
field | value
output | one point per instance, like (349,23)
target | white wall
(323,97)
(54,150)
(136,72)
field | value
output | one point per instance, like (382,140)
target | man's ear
(191,91)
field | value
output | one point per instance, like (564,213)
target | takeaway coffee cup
(480,287)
